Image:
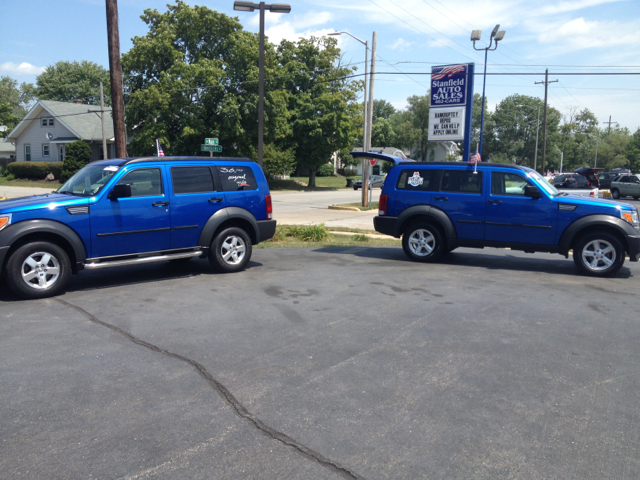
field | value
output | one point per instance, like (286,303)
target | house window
(44,122)
(51,122)
(45,150)
(27,152)
(47,121)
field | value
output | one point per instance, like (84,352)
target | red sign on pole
(372,161)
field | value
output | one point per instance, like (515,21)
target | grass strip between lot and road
(298,236)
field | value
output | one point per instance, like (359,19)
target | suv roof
(120,162)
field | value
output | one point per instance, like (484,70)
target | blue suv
(439,206)
(132,211)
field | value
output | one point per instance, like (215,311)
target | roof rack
(128,161)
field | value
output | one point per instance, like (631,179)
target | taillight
(382,205)
(267,200)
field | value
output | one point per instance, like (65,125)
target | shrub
(278,162)
(314,233)
(325,170)
(33,170)
(351,172)
(78,154)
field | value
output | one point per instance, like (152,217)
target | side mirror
(532,191)
(120,191)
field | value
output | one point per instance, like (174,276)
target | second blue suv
(132,211)
(439,206)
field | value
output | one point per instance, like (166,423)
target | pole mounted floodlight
(475,36)
(262,7)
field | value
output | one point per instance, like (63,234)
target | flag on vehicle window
(160,152)
(475,158)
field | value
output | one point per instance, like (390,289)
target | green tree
(77,155)
(382,134)
(278,162)
(195,75)
(418,110)
(69,81)
(322,100)
(613,149)
(382,109)
(633,151)
(14,102)
(406,134)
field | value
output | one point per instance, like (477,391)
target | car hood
(49,200)
(595,202)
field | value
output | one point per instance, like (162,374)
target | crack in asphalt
(226,395)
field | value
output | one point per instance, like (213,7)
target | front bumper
(386,225)
(633,241)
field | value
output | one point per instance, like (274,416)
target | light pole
(475,36)
(365,137)
(274,8)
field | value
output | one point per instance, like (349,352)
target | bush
(278,162)
(325,170)
(351,172)
(78,154)
(33,170)
(314,233)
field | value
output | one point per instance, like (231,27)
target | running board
(139,260)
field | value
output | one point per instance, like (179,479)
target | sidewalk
(17,192)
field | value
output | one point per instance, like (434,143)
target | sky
(576,37)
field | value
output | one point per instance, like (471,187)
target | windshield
(88,181)
(550,189)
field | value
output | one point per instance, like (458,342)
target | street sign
(372,161)
(210,148)
(211,141)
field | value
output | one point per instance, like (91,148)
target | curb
(338,207)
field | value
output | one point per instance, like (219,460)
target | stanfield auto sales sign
(449,85)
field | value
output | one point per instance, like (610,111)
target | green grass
(29,183)
(374,206)
(295,236)
(301,184)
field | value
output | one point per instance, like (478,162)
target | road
(324,363)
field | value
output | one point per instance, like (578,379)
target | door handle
(215,200)
(495,202)
(160,204)
(443,199)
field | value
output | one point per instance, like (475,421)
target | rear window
(234,178)
(191,180)
(420,180)
(461,181)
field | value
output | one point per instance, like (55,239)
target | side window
(507,184)
(145,182)
(461,181)
(191,180)
(234,178)
(421,180)
(624,179)
(27,152)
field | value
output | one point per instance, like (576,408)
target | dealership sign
(450,112)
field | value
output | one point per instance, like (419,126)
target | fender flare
(427,211)
(619,225)
(221,216)
(16,231)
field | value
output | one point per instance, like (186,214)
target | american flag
(160,152)
(475,158)
(450,70)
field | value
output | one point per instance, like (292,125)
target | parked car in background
(606,178)
(570,181)
(626,185)
(376,181)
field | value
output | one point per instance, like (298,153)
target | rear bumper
(386,225)
(634,247)
(266,229)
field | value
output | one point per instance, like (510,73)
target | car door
(194,198)
(460,198)
(140,223)
(512,217)
(623,185)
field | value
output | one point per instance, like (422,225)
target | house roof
(7,147)
(81,120)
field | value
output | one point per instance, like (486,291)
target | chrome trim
(140,260)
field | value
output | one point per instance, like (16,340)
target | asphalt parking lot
(326,363)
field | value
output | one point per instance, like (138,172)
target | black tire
(423,242)
(355,188)
(224,257)
(615,194)
(38,270)
(598,254)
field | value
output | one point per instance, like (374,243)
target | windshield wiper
(65,192)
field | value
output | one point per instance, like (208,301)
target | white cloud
(287,31)
(21,69)
(401,44)
(578,34)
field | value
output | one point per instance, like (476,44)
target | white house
(44,132)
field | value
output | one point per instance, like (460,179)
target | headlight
(631,217)
(5,220)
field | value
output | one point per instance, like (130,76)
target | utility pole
(104,130)
(115,72)
(610,122)
(365,162)
(544,122)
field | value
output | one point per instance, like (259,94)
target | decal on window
(416,180)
